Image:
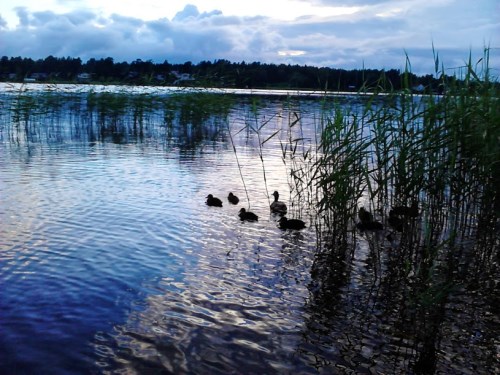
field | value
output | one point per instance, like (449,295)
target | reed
(440,151)
(340,173)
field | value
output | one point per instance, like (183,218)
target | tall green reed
(340,173)
(439,151)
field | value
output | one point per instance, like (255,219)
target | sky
(345,34)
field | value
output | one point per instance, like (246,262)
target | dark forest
(219,73)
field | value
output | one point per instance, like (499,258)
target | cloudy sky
(349,34)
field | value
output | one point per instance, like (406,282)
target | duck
(372,225)
(285,223)
(367,222)
(277,206)
(365,216)
(213,201)
(247,215)
(411,211)
(233,198)
(396,221)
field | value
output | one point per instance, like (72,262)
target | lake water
(110,261)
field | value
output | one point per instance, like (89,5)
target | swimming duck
(247,215)
(395,221)
(233,198)
(371,225)
(365,216)
(278,207)
(367,222)
(411,211)
(213,201)
(285,223)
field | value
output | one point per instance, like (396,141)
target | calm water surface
(110,262)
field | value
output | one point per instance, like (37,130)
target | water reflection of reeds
(116,117)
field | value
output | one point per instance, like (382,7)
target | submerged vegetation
(426,167)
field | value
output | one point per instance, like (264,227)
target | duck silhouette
(285,223)
(411,211)
(372,225)
(367,222)
(395,221)
(277,206)
(213,201)
(233,198)
(365,216)
(247,215)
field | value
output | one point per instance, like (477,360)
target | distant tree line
(219,73)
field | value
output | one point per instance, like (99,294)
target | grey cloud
(126,21)
(345,27)
(161,26)
(41,18)
(190,12)
(343,3)
(23,15)
(80,17)
(342,42)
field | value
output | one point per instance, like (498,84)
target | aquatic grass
(115,115)
(254,125)
(440,151)
(297,157)
(340,172)
(282,128)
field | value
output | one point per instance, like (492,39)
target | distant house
(133,74)
(181,77)
(418,88)
(83,77)
(29,79)
(40,76)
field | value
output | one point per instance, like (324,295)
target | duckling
(411,211)
(285,223)
(247,215)
(213,201)
(233,198)
(365,216)
(277,206)
(371,225)
(395,221)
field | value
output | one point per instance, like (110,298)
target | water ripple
(110,262)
